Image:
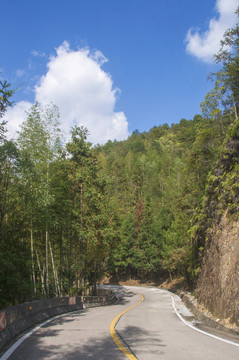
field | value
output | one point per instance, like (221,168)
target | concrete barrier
(205,319)
(19,318)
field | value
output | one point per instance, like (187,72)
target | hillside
(155,181)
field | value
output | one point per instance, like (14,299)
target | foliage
(5,95)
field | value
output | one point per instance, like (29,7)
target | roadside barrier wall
(18,318)
(214,324)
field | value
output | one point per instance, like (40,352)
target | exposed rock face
(217,237)
(218,282)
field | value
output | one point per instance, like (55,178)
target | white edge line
(9,352)
(196,329)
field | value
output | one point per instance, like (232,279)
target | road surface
(148,331)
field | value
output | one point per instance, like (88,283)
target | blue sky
(112,65)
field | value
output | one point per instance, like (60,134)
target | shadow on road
(96,348)
(84,342)
(122,294)
(139,341)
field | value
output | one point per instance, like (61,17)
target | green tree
(38,146)
(14,269)
(89,219)
(5,95)
(14,256)
(224,97)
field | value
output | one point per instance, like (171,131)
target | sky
(112,66)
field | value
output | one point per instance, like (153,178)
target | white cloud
(37,53)
(20,72)
(15,116)
(205,45)
(84,93)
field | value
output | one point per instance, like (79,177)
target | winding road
(147,324)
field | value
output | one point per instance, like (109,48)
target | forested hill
(149,207)
(155,182)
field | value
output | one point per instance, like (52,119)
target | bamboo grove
(55,225)
(71,213)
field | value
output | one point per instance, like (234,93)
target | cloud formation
(15,116)
(83,92)
(205,45)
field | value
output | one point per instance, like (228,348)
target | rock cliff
(217,237)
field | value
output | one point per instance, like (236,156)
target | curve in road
(152,331)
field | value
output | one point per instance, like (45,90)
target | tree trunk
(47,269)
(60,271)
(32,260)
(76,261)
(54,271)
(41,274)
(95,280)
(81,226)
(234,104)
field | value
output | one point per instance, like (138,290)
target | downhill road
(148,331)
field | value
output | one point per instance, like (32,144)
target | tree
(5,95)
(89,219)
(228,56)
(14,269)
(224,97)
(39,142)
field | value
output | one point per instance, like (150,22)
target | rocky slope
(217,237)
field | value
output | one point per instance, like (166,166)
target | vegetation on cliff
(216,224)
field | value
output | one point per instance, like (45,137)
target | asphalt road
(151,330)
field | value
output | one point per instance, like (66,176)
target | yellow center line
(114,334)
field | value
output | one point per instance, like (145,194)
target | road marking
(114,334)
(201,331)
